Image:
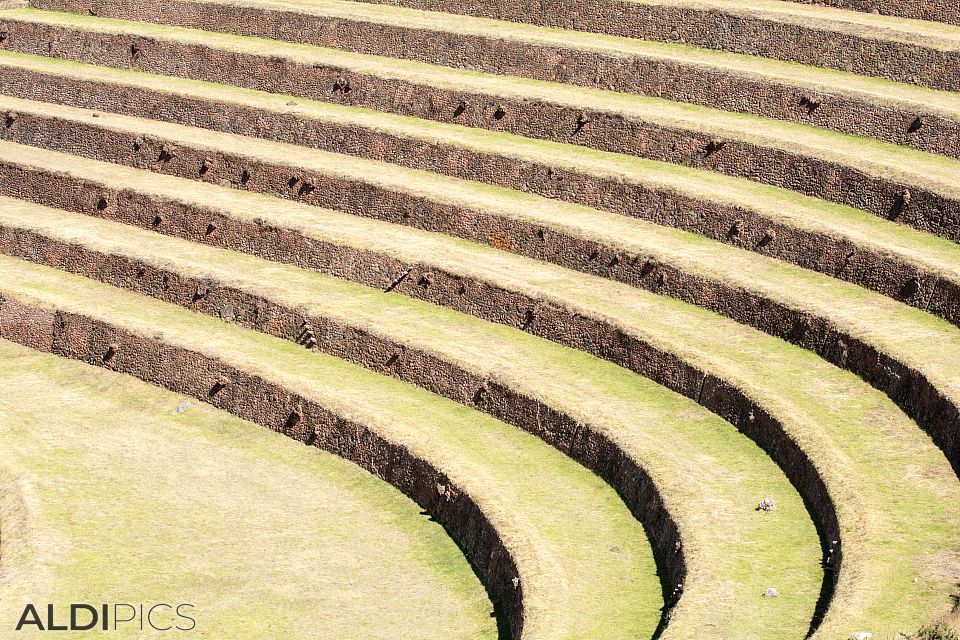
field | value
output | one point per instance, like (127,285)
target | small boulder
(861,635)
(767,504)
(771,593)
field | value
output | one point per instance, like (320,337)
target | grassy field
(709,472)
(884,160)
(584,560)
(111,496)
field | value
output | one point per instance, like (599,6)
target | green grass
(710,473)
(893,488)
(926,251)
(871,156)
(119,500)
(583,559)
(806,76)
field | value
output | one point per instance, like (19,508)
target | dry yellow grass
(890,483)
(108,495)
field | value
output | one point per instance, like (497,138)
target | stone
(112,349)
(861,635)
(481,393)
(771,593)
(714,146)
(294,418)
(767,504)
(181,408)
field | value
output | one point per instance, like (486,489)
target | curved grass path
(704,470)
(906,29)
(910,31)
(121,499)
(583,562)
(915,17)
(892,489)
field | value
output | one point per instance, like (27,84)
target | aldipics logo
(108,617)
